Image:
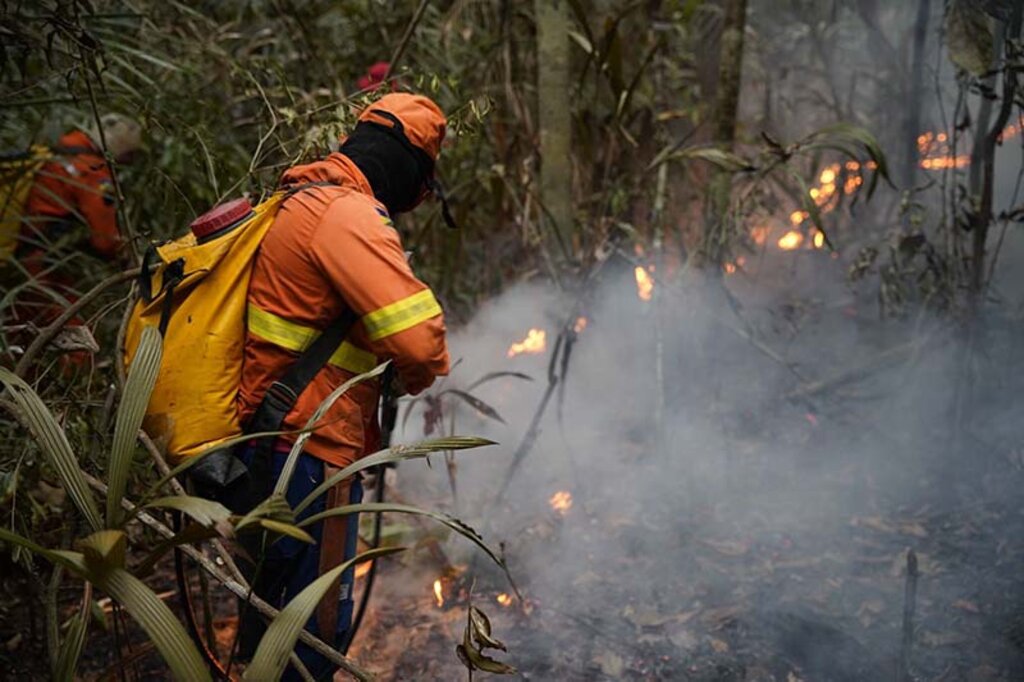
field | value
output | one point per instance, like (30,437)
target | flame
(581,324)
(791,240)
(561,501)
(759,234)
(644,283)
(730,268)
(819,239)
(363,568)
(535,342)
(504,599)
(438,593)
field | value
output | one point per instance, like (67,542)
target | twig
(235,587)
(125,222)
(877,362)
(409,30)
(48,333)
(909,605)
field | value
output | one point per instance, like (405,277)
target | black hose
(218,670)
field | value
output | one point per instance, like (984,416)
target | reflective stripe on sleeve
(297,337)
(401,315)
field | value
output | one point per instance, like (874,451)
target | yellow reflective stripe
(353,359)
(401,315)
(297,337)
(280,331)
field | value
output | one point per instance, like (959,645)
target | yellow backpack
(197,297)
(17,174)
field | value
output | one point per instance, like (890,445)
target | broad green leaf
(396,453)
(314,422)
(137,389)
(274,507)
(71,648)
(157,619)
(289,529)
(969,37)
(808,204)
(73,561)
(279,640)
(378,507)
(205,512)
(54,444)
(851,140)
(104,549)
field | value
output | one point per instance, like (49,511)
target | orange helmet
(419,119)
(419,125)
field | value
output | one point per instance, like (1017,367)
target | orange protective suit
(330,247)
(74,187)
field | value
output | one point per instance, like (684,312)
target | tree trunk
(730,67)
(915,93)
(555,127)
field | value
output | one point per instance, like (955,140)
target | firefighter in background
(60,203)
(75,189)
(334,245)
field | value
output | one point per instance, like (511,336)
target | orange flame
(535,342)
(581,324)
(438,593)
(759,234)
(504,599)
(561,501)
(791,240)
(819,239)
(644,283)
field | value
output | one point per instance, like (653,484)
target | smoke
(749,506)
(750,457)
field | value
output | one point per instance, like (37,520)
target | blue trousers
(287,566)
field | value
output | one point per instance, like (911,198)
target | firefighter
(70,207)
(76,188)
(331,246)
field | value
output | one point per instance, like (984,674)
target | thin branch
(47,334)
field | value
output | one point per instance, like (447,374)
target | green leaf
(205,512)
(54,444)
(808,204)
(314,422)
(396,453)
(104,549)
(139,385)
(455,524)
(289,529)
(71,648)
(719,157)
(969,37)
(849,140)
(159,622)
(274,507)
(279,640)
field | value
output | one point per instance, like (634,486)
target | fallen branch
(47,334)
(878,362)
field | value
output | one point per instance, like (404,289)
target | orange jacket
(76,186)
(330,246)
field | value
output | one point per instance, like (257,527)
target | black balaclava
(398,178)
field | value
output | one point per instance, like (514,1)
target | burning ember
(535,342)
(561,501)
(438,593)
(644,283)
(504,599)
(581,324)
(791,240)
